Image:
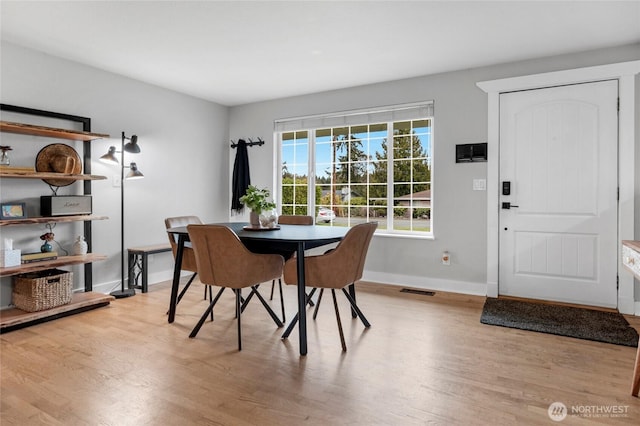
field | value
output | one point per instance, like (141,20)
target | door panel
(558,148)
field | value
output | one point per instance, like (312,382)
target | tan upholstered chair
(188,257)
(336,269)
(223,260)
(288,220)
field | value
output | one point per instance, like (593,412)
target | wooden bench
(138,263)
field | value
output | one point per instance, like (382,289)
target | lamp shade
(132,146)
(110,156)
(134,173)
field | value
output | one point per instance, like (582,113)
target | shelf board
(12,319)
(47,175)
(48,264)
(56,219)
(52,132)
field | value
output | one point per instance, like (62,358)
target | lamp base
(120,294)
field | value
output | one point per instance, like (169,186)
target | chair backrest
(174,222)
(355,245)
(224,261)
(339,267)
(188,260)
(290,219)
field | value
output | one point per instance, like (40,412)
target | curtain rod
(259,142)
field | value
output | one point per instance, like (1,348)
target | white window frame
(386,114)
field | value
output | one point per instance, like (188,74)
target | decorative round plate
(55,158)
(256,228)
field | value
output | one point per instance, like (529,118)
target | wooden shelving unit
(50,219)
(49,264)
(47,175)
(52,132)
(11,319)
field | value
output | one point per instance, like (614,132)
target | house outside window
(361,166)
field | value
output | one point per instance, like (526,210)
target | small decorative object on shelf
(80,246)
(256,200)
(47,237)
(4,157)
(12,211)
(8,255)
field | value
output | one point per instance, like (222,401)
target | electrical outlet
(116,181)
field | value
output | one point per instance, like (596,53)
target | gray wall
(187,161)
(184,144)
(459,213)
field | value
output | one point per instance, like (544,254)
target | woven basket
(37,291)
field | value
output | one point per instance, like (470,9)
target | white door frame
(625,73)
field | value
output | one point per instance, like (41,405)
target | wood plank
(52,132)
(425,360)
(151,248)
(50,219)
(47,175)
(48,264)
(11,318)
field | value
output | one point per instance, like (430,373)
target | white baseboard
(464,287)
(154,278)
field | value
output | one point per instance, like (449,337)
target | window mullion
(311,173)
(390,211)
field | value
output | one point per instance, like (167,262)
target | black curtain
(241,179)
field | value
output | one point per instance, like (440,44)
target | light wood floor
(425,360)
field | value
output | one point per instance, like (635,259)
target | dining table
(282,239)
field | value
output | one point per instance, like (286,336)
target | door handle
(507,206)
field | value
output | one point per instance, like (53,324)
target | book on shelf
(38,256)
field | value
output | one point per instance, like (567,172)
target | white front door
(558,151)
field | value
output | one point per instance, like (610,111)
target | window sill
(386,234)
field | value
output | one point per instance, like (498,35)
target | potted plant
(262,210)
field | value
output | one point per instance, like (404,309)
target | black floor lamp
(134,173)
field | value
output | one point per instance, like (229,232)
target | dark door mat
(581,323)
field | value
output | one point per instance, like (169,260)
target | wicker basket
(37,291)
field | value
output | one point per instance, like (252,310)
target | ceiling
(238,52)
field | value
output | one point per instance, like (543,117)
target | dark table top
(287,236)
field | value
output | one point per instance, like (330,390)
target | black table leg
(302,300)
(176,278)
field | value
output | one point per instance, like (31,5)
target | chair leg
(352,292)
(315,311)
(335,305)
(210,298)
(294,321)
(284,318)
(239,312)
(355,308)
(186,287)
(196,329)
(274,317)
(273,284)
(635,384)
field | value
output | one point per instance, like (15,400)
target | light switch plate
(479,184)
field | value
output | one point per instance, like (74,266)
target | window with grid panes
(375,171)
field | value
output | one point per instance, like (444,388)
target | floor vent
(422,292)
